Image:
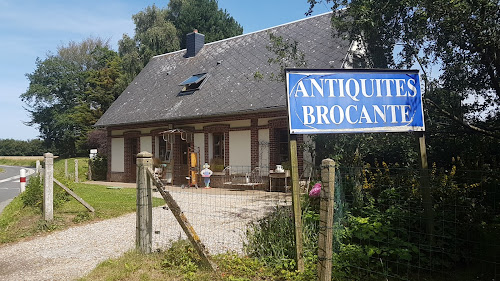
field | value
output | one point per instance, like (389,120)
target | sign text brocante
(353,101)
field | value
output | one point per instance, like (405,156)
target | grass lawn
(180,262)
(18,221)
(83,168)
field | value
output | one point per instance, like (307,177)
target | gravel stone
(220,218)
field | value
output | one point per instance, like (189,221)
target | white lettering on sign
(353,88)
(376,114)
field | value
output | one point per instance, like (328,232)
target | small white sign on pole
(93,153)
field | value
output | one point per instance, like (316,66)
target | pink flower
(315,190)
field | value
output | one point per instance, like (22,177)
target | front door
(181,168)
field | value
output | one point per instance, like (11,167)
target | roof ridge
(253,32)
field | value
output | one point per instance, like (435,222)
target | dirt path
(220,217)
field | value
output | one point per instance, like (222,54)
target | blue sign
(354,101)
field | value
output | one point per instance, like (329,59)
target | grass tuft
(180,262)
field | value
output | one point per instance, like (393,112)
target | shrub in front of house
(99,167)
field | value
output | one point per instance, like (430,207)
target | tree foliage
(163,30)
(459,40)
(11,147)
(203,15)
(461,37)
(70,90)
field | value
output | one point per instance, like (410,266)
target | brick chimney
(194,43)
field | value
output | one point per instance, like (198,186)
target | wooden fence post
(297,210)
(426,188)
(89,175)
(144,223)
(78,198)
(48,187)
(76,170)
(327,201)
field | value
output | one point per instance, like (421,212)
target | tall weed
(272,240)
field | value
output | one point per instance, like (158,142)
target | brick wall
(273,125)
(108,153)
(254,143)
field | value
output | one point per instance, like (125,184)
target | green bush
(183,257)
(33,196)
(271,238)
(99,167)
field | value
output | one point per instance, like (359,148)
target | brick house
(216,100)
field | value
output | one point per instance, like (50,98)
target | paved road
(9,184)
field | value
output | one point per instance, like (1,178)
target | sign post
(297,212)
(326,101)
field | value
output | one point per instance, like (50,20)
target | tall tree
(55,86)
(462,37)
(105,82)
(203,15)
(69,90)
(159,31)
(154,34)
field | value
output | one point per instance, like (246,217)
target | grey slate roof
(231,87)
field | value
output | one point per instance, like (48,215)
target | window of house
(193,83)
(283,151)
(164,150)
(218,145)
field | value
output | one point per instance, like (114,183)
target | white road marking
(9,179)
(14,178)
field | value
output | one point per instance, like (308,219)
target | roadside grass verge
(18,221)
(180,262)
(18,161)
(59,165)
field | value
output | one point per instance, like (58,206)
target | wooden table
(278,175)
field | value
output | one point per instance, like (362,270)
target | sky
(31,29)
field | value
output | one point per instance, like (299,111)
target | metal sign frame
(353,101)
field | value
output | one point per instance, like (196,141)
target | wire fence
(221,214)
(382,229)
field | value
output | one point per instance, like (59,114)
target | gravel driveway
(218,215)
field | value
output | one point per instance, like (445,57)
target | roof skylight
(193,83)
(194,79)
